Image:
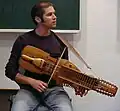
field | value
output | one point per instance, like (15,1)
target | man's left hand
(81,91)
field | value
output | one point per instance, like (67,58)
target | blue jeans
(53,99)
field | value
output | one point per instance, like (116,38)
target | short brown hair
(38,9)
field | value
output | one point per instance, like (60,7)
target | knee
(19,106)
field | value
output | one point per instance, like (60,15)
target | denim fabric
(53,99)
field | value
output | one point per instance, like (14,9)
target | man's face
(49,17)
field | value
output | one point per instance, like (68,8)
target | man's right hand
(38,85)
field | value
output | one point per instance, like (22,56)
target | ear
(37,19)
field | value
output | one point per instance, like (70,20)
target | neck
(42,31)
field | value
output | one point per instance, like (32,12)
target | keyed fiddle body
(38,61)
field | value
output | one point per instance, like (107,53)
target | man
(35,94)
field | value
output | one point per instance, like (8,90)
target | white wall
(99,45)
(102,52)
(6,41)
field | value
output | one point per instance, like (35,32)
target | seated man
(35,93)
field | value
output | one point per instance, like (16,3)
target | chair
(10,99)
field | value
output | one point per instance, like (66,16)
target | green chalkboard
(15,14)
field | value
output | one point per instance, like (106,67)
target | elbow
(10,76)
(9,73)
(6,72)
